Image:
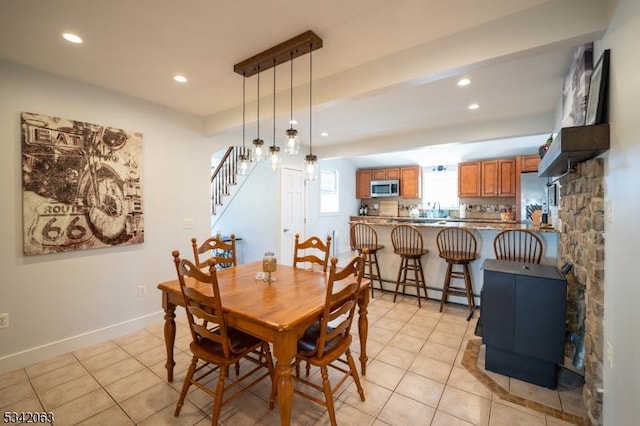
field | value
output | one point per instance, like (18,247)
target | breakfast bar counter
(435,267)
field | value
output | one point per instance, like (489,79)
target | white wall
(59,302)
(622,285)
(253,213)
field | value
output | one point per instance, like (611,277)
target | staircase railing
(224,176)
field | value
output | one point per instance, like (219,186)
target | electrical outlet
(4,320)
(142,290)
(187,224)
(609,355)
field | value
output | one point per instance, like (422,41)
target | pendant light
(244,156)
(292,145)
(257,142)
(310,170)
(274,151)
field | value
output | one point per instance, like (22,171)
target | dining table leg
(169,334)
(363,328)
(284,349)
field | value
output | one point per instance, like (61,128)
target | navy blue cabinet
(523,319)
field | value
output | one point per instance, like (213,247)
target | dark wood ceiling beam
(283,52)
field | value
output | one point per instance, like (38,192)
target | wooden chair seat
(215,346)
(457,246)
(408,244)
(364,236)
(325,345)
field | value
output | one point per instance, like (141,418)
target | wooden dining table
(278,312)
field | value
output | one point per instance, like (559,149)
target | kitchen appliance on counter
(385,188)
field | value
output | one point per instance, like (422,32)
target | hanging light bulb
(292,143)
(310,170)
(257,142)
(274,151)
(244,156)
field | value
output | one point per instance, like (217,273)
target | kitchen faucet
(439,214)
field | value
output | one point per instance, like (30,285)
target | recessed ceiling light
(70,37)
(474,106)
(180,78)
(464,82)
(324,134)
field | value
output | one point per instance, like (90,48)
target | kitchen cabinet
(385,174)
(363,184)
(492,178)
(523,317)
(410,182)
(469,175)
(529,163)
(409,177)
(499,178)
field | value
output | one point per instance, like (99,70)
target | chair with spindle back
(407,242)
(313,243)
(457,246)
(363,236)
(518,245)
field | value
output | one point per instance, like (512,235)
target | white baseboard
(52,349)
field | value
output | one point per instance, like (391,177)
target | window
(329,202)
(441,185)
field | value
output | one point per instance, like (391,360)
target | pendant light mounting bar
(286,51)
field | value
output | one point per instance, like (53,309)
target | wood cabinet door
(410,184)
(363,184)
(490,172)
(378,174)
(392,173)
(507,178)
(529,163)
(469,179)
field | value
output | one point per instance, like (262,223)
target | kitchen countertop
(479,224)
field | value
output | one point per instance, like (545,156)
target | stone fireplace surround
(581,243)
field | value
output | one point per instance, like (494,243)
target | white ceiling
(383,82)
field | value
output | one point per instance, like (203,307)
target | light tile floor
(415,376)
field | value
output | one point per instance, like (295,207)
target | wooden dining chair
(216,346)
(457,246)
(315,244)
(518,245)
(222,252)
(361,236)
(408,244)
(327,342)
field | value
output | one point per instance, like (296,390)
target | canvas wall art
(575,89)
(81,185)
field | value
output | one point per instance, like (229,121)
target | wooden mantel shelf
(572,146)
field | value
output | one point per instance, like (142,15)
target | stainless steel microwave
(384,188)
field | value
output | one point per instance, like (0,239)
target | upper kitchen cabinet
(499,178)
(410,182)
(385,174)
(363,184)
(529,163)
(409,178)
(469,175)
(494,178)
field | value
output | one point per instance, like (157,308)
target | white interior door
(291,212)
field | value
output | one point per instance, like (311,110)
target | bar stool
(407,242)
(518,245)
(457,246)
(364,236)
